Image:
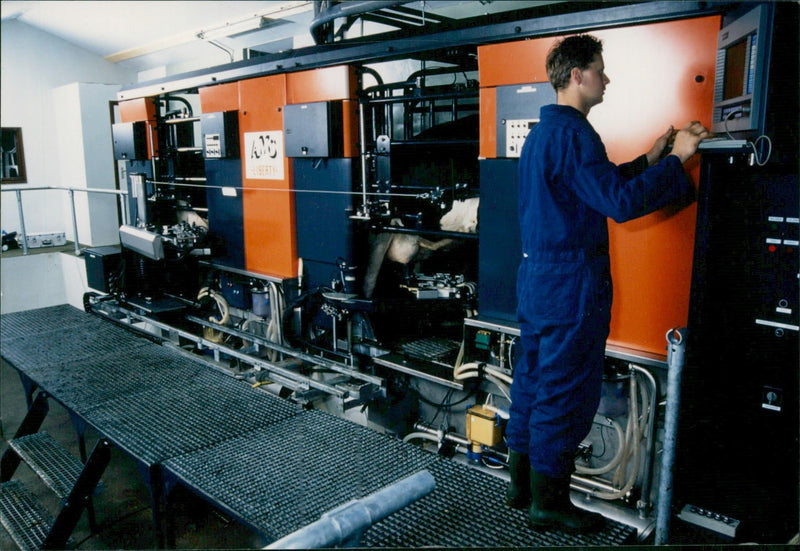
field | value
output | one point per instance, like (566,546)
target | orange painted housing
(142,109)
(329,84)
(661,74)
(270,243)
(222,97)
(325,84)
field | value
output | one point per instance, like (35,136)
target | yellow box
(482,427)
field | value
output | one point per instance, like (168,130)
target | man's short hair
(573,51)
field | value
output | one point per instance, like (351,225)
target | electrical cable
(753,144)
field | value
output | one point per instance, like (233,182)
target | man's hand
(687,139)
(655,153)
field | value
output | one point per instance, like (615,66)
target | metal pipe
(74,222)
(345,524)
(256,362)
(321,362)
(123,208)
(675,360)
(22,222)
(363,145)
(447,435)
(578,482)
(647,477)
(90,190)
(347,9)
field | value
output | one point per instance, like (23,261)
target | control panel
(708,519)
(516,132)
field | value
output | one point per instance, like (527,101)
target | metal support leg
(30,424)
(155,483)
(80,430)
(74,222)
(79,497)
(22,223)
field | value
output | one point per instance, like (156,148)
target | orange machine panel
(141,109)
(487,148)
(270,241)
(222,97)
(350,128)
(324,84)
(513,62)
(661,74)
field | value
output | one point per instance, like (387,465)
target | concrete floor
(123,504)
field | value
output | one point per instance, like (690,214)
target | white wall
(85,151)
(32,64)
(41,280)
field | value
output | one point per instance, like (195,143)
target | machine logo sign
(264,155)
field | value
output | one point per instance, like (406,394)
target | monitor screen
(735,70)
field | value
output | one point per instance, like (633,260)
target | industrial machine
(339,227)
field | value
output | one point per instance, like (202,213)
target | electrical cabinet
(313,129)
(517,112)
(130,140)
(737,453)
(220,135)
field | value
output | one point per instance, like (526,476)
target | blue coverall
(568,189)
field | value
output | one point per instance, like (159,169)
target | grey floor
(123,504)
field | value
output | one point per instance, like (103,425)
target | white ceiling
(166,29)
(148,34)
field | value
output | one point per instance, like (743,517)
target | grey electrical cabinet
(313,129)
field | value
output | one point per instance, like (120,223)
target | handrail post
(22,222)
(74,221)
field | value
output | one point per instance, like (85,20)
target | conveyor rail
(270,464)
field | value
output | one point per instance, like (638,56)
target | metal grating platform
(50,460)
(43,320)
(53,348)
(84,384)
(278,479)
(24,519)
(467,509)
(198,408)
(431,349)
(266,462)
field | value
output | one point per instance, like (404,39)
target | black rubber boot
(551,507)
(518,493)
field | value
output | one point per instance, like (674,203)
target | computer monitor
(741,76)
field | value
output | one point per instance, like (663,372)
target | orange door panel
(513,62)
(267,201)
(142,109)
(326,84)
(222,97)
(661,74)
(487,148)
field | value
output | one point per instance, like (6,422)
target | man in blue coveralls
(568,189)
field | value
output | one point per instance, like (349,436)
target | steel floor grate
(43,320)
(27,522)
(467,509)
(199,407)
(431,349)
(54,348)
(50,460)
(84,384)
(280,478)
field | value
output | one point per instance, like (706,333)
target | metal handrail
(18,191)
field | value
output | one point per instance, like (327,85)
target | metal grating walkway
(265,461)
(287,475)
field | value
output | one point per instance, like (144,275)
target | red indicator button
(772,248)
